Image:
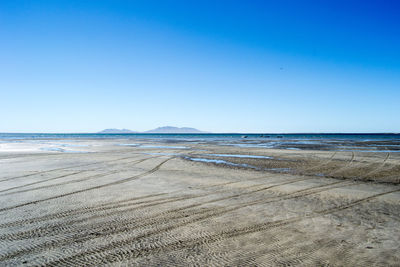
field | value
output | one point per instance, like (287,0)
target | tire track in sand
(88,189)
(321,164)
(348,165)
(119,252)
(380,167)
(67,182)
(52,228)
(185,213)
(104,206)
(59,169)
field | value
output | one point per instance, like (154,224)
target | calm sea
(339,142)
(206,136)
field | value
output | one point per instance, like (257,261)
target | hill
(172,129)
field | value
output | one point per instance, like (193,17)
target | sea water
(381,142)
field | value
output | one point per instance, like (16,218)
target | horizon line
(133,133)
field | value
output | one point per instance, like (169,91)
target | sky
(219,66)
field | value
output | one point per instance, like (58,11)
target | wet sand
(162,204)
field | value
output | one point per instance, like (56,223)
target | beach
(186,202)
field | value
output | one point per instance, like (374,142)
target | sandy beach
(146,203)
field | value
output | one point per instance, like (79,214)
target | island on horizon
(164,129)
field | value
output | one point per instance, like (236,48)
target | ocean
(207,136)
(368,142)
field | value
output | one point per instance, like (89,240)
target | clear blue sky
(220,66)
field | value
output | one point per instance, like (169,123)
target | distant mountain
(172,129)
(165,129)
(113,130)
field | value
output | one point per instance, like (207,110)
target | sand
(98,202)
